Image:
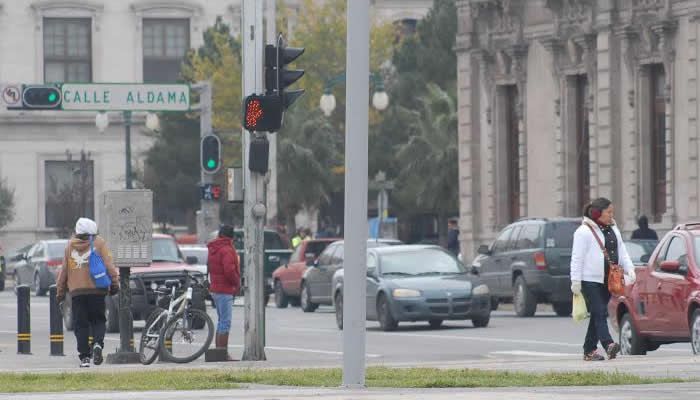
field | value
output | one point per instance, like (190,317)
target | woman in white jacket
(589,272)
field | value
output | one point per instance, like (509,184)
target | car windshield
(200,253)
(57,249)
(419,262)
(560,234)
(639,248)
(165,249)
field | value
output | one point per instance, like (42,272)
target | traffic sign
(125,97)
(12,95)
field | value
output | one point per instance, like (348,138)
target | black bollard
(24,335)
(169,346)
(55,324)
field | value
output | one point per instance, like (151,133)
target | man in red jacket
(225,275)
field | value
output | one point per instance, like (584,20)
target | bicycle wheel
(180,333)
(150,337)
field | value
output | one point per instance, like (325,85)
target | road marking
(533,353)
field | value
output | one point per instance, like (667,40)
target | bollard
(55,324)
(169,346)
(24,335)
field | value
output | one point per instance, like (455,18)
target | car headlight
(480,290)
(406,293)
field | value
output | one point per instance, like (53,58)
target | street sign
(125,97)
(11,94)
(127,226)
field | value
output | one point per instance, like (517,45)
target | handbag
(98,271)
(616,277)
(579,310)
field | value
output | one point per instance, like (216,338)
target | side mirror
(191,260)
(644,258)
(484,249)
(672,266)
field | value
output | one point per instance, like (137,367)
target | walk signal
(45,97)
(210,154)
(262,113)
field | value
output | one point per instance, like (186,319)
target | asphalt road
(298,339)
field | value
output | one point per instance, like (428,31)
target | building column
(693,139)
(468,174)
(604,106)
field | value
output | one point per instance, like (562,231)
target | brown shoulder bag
(616,277)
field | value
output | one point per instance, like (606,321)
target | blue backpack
(98,271)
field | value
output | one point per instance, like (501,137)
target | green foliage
(7,203)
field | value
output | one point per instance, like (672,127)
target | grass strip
(200,379)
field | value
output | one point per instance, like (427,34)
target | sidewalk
(643,392)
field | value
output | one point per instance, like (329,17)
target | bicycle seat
(170,283)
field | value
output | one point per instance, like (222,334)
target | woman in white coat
(589,272)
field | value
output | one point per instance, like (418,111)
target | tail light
(54,263)
(540,261)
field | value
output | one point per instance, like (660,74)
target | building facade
(562,101)
(96,41)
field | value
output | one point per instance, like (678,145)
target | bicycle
(163,326)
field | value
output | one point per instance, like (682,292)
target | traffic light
(45,97)
(287,77)
(210,153)
(262,113)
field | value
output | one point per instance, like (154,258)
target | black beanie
(226,231)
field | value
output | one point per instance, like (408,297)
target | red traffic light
(262,113)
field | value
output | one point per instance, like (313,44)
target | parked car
(43,262)
(418,283)
(316,281)
(663,304)
(168,264)
(640,250)
(16,259)
(528,263)
(287,278)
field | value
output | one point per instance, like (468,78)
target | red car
(663,305)
(287,278)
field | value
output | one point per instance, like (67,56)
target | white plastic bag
(579,310)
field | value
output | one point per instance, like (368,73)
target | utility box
(127,226)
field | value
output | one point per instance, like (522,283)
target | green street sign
(125,97)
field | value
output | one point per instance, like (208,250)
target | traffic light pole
(271,38)
(356,149)
(208,215)
(254,191)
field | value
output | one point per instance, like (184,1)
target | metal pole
(127,130)
(254,187)
(356,137)
(209,208)
(271,38)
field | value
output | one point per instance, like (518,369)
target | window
(513,244)
(529,237)
(561,234)
(165,43)
(68,192)
(67,50)
(658,140)
(501,243)
(327,255)
(512,153)
(583,156)
(676,250)
(339,255)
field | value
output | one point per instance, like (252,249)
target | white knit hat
(85,226)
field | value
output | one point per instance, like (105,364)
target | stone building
(562,101)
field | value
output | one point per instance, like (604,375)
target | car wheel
(386,320)
(306,304)
(281,300)
(38,290)
(112,314)
(630,341)
(481,322)
(435,323)
(494,303)
(695,332)
(339,310)
(524,301)
(563,309)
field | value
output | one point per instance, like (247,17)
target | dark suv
(528,263)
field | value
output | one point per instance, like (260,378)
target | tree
(7,203)
(429,160)
(173,171)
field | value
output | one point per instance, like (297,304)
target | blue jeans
(224,305)
(597,298)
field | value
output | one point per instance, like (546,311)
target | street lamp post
(380,98)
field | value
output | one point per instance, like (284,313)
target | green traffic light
(52,97)
(211,163)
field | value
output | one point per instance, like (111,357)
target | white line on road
(533,353)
